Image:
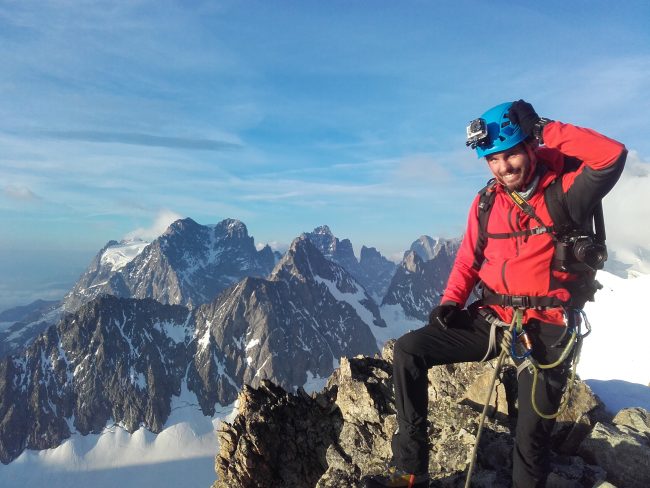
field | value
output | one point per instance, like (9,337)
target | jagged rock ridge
(189,264)
(298,323)
(373,270)
(114,358)
(335,437)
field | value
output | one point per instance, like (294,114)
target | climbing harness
(513,334)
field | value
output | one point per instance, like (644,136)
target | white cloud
(627,208)
(18,192)
(281,247)
(396,257)
(160,224)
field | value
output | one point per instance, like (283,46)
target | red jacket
(522,265)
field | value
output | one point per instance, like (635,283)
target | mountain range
(189,264)
(200,310)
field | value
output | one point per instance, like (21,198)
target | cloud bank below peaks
(627,210)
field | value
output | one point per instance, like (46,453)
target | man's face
(511,168)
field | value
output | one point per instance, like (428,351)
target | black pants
(465,341)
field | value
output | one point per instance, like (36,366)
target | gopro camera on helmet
(575,251)
(477,133)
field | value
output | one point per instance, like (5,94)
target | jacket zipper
(517,228)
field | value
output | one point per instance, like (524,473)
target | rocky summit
(335,437)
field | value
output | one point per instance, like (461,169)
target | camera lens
(592,254)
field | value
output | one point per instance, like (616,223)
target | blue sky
(117,117)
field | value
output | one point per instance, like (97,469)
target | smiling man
(512,168)
(534,240)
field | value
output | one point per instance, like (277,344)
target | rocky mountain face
(113,359)
(188,265)
(373,270)
(335,437)
(376,272)
(422,276)
(339,251)
(428,248)
(120,360)
(294,326)
(101,277)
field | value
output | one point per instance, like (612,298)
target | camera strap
(525,207)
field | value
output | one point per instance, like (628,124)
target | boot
(396,478)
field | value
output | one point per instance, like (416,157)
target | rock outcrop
(622,448)
(335,437)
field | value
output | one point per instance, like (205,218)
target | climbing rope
(575,340)
(505,348)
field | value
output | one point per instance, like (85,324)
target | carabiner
(524,341)
(585,321)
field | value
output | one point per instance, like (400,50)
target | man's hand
(443,315)
(523,114)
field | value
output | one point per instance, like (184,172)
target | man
(528,245)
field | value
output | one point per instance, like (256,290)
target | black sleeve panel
(590,186)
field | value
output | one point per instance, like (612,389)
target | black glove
(443,315)
(523,114)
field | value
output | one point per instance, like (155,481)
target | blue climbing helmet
(493,132)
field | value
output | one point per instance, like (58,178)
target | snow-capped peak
(118,255)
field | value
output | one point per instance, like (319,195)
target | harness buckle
(518,301)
